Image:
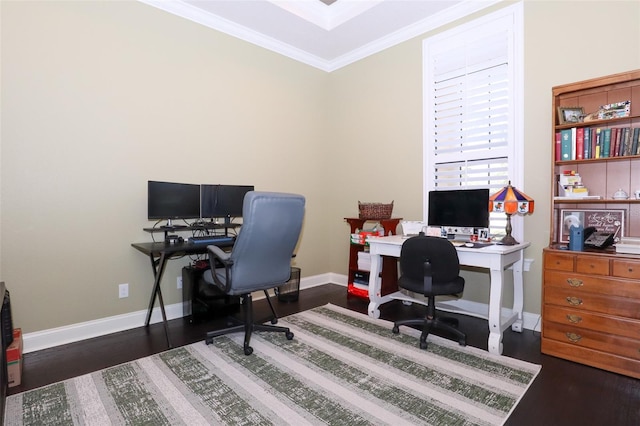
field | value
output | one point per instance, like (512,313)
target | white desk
(496,258)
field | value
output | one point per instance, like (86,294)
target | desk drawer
(559,261)
(592,265)
(595,358)
(592,284)
(591,302)
(626,269)
(620,326)
(604,342)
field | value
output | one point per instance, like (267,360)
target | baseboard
(86,330)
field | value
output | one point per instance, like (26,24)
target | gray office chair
(260,258)
(430,266)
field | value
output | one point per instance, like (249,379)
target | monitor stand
(459,237)
(458,230)
(171,225)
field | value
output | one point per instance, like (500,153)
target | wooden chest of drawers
(591,309)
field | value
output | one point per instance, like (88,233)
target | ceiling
(326,34)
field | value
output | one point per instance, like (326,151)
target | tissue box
(412,227)
(14,359)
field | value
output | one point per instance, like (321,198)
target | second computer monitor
(222,201)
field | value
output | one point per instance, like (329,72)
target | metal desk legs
(158,270)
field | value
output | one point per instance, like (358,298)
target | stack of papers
(364,261)
(628,245)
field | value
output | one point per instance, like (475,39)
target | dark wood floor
(564,393)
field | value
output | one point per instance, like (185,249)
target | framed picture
(615,110)
(483,234)
(570,114)
(602,220)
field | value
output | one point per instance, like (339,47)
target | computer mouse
(468,244)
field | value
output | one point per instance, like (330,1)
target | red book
(615,142)
(579,143)
(558,147)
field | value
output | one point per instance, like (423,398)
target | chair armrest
(216,253)
(222,255)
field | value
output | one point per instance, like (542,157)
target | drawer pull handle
(574,282)
(575,338)
(574,318)
(574,301)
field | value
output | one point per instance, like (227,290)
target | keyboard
(211,239)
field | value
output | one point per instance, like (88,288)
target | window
(473,108)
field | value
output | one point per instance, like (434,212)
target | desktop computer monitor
(462,208)
(170,200)
(223,201)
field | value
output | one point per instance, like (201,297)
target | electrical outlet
(123,291)
(179,282)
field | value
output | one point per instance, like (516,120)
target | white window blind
(470,139)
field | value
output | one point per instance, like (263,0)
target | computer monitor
(462,208)
(169,200)
(223,201)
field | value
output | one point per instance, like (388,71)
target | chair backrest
(271,225)
(445,265)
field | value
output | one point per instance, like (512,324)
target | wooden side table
(389,271)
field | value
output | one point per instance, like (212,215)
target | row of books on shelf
(584,143)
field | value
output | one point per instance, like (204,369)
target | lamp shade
(510,201)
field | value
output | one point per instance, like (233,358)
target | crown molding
(429,24)
(187,11)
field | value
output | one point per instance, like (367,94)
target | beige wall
(98,98)
(376,118)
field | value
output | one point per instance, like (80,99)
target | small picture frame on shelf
(611,220)
(614,110)
(568,115)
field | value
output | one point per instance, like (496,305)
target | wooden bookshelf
(591,298)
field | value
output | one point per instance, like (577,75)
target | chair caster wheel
(274,321)
(208,340)
(462,342)
(423,345)
(288,335)
(395,329)
(248,350)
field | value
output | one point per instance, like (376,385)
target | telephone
(598,239)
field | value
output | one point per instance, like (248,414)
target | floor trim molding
(86,330)
(45,339)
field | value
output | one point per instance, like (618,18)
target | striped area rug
(341,368)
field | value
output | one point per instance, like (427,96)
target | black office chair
(430,266)
(260,258)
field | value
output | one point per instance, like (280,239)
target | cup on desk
(637,194)
(473,238)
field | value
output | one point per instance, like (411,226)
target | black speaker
(7,320)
